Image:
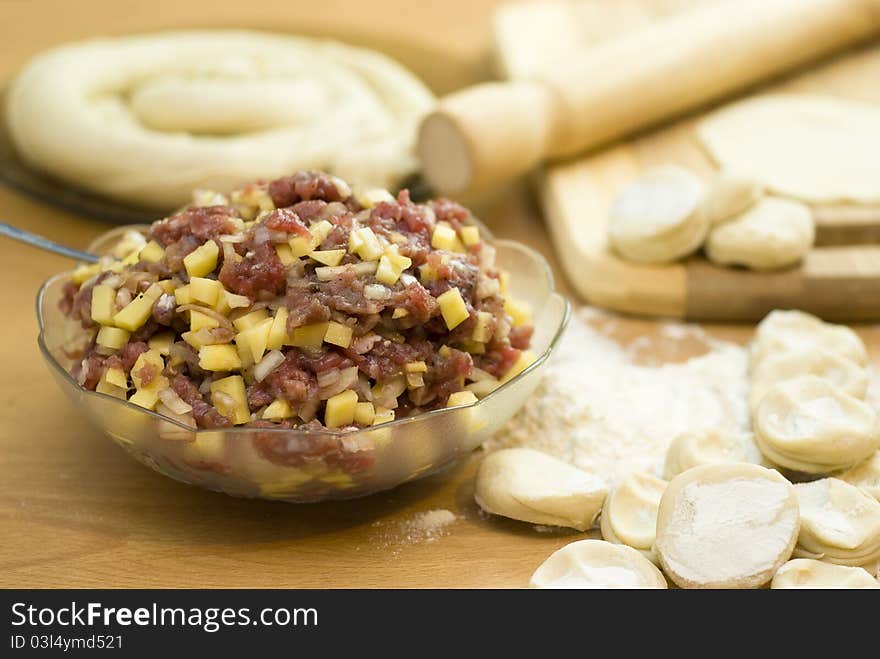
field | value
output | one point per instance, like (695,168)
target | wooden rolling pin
(486,134)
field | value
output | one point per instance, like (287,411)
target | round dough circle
(726,526)
(865,475)
(808,147)
(630,513)
(710,446)
(810,573)
(597,564)
(531,486)
(774,233)
(729,195)
(810,425)
(790,330)
(818,361)
(839,522)
(658,218)
(147,119)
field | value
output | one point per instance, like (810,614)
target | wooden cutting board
(839,279)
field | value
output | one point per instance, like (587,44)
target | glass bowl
(303,466)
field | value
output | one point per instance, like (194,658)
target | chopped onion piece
(327,272)
(219,317)
(407,279)
(272,360)
(233,238)
(478,375)
(483,387)
(174,402)
(335,381)
(376,292)
(385,393)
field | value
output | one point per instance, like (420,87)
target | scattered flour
(421,527)
(602,409)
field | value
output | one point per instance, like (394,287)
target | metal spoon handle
(45,243)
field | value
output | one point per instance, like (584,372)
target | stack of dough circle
(809,573)
(531,486)
(774,233)
(659,217)
(839,522)
(865,475)
(787,330)
(729,195)
(710,446)
(146,119)
(726,526)
(811,425)
(597,564)
(630,513)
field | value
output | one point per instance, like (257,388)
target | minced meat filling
(296,303)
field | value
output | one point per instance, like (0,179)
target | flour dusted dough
(710,446)
(839,522)
(865,475)
(810,573)
(774,233)
(659,217)
(728,195)
(726,526)
(630,513)
(531,486)
(811,425)
(809,147)
(818,361)
(146,119)
(597,564)
(790,330)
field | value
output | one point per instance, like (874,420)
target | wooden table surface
(75,511)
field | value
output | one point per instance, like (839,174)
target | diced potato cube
(504,282)
(453,308)
(444,351)
(383,415)
(444,237)
(400,312)
(387,273)
(474,347)
(340,409)
(526,357)
(470,235)
(167,286)
(278,331)
(278,409)
(309,336)
(338,334)
(416,367)
(301,246)
(415,380)
(150,359)
(364,413)
(135,313)
(285,254)
(85,272)
(199,320)
(103,304)
(250,320)
(255,339)
(116,377)
(370,197)
(206,291)
(483,327)
(154,292)
(222,357)
(398,260)
(461,398)
(105,386)
(235,301)
(329,257)
(161,342)
(232,401)
(112,337)
(245,355)
(365,244)
(152,252)
(146,398)
(519,312)
(203,260)
(320,231)
(182,295)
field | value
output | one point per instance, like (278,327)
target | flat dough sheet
(814,148)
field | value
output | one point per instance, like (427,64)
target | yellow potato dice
(116,377)
(148,358)
(146,398)
(152,252)
(278,331)
(365,244)
(338,334)
(255,339)
(85,272)
(474,347)
(397,259)
(105,386)
(329,257)
(301,246)
(233,402)
(103,304)
(383,415)
(206,291)
(364,413)
(221,357)
(309,336)
(199,320)
(400,312)
(370,197)
(235,301)
(167,286)
(416,367)
(278,409)
(182,295)
(519,312)
(203,260)
(340,409)
(443,237)
(250,320)
(285,254)
(112,337)
(135,313)
(320,231)
(453,308)
(461,398)
(161,342)
(483,327)
(470,235)
(526,358)
(391,266)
